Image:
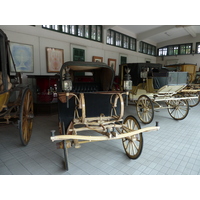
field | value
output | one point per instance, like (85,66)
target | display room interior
(99,99)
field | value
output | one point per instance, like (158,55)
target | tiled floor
(173,150)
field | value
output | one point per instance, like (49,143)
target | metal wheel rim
(193,102)
(179,109)
(132,145)
(26,117)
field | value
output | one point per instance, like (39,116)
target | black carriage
(87,103)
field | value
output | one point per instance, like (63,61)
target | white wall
(41,38)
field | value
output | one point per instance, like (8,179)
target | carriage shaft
(101,138)
(174,99)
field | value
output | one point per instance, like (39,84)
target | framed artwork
(55,59)
(23,57)
(112,63)
(97,59)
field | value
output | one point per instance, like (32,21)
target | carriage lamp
(127,80)
(127,83)
(67,84)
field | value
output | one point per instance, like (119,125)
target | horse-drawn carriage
(156,88)
(16,101)
(87,104)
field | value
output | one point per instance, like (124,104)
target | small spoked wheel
(132,145)
(26,117)
(145,109)
(193,102)
(178,109)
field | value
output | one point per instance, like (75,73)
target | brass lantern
(127,80)
(67,82)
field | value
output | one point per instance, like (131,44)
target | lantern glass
(127,85)
(67,85)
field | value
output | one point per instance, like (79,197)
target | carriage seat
(1,83)
(86,87)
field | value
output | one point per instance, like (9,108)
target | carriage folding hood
(3,59)
(102,73)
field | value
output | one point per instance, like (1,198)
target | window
(185,48)
(173,50)
(147,48)
(92,32)
(81,31)
(181,49)
(162,51)
(120,40)
(132,44)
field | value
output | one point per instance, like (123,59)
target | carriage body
(154,85)
(16,101)
(90,107)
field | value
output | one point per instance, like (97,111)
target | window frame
(125,42)
(74,31)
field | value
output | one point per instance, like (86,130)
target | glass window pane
(198,48)
(81,30)
(112,37)
(108,36)
(176,50)
(73,29)
(65,29)
(171,50)
(99,33)
(118,39)
(182,49)
(144,48)
(87,31)
(93,32)
(149,47)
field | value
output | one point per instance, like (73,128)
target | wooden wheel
(193,102)
(132,145)
(178,108)
(145,109)
(26,117)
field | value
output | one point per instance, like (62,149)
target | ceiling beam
(190,30)
(155,31)
(108,26)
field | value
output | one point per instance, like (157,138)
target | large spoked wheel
(132,145)
(26,117)
(145,109)
(178,109)
(193,102)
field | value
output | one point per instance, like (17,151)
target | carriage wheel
(193,102)
(145,109)
(26,117)
(178,108)
(66,165)
(132,145)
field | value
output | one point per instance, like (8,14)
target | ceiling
(161,33)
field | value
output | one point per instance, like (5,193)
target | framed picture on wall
(55,59)
(112,63)
(97,59)
(22,56)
